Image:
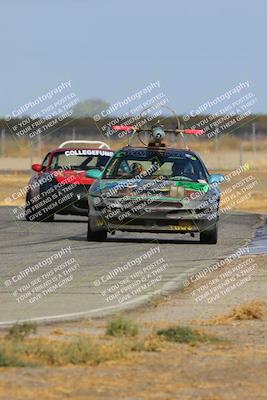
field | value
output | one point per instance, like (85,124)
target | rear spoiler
(101,145)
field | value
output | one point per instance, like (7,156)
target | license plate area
(182,226)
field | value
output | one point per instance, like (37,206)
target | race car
(154,189)
(60,184)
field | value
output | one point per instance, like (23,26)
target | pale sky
(112,48)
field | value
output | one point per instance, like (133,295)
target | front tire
(98,236)
(209,236)
(29,213)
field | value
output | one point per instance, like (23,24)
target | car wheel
(98,236)
(209,236)
(29,213)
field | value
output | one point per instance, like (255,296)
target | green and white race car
(154,189)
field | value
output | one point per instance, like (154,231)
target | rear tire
(209,236)
(98,236)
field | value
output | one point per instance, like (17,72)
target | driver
(182,168)
(136,168)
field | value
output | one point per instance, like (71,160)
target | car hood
(164,190)
(72,176)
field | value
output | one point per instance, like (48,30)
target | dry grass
(58,332)
(252,310)
(256,203)
(19,348)
(152,343)
(48,352)
(226,142)
(12,184)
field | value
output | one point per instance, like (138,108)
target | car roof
(183,151)
(62,149)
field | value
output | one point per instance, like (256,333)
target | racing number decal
(181,227)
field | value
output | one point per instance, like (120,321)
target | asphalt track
(24,244)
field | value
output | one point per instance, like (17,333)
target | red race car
(60,184)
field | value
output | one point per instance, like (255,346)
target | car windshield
(150,165)
(81,159)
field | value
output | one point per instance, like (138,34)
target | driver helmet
(136,168)
(179,167)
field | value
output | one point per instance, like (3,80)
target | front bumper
(156,217)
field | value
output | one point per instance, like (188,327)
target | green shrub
(21,331)
(79,351)
(121,327)
(7,361)
(184,334)
(9,356)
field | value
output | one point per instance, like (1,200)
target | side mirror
(37,167)
(94,174)
(216,178)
